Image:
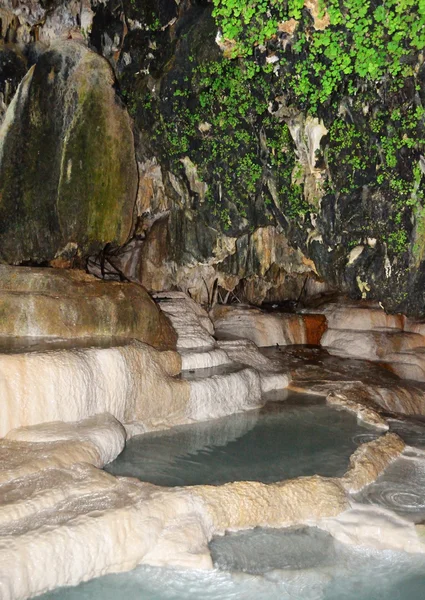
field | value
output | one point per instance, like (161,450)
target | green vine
(363,40)
(358,71)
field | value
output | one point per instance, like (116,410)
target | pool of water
(400,488)
(299,436)
(282,441)
(304,564)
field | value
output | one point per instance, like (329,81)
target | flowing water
(289,439)
(302,564)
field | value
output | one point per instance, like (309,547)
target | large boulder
(58,303)
(68,176)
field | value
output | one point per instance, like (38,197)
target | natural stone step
(267,328)
(192,324)
(42,302)
(132,381)
(370,345)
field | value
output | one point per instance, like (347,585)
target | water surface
(304,564)
(282,441)
(298,436)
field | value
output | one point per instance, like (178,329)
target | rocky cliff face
(271,147)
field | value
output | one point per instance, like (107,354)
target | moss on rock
(67,168)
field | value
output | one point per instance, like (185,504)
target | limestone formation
(68,176)
(192,324)
(370,460)
(408,364)
(370,345)
(131,381)
(245,352)
(57,507)
(199,350)
(363,413)
(55,303)
(267,328)
(28,450)
(365,330)
(144,142)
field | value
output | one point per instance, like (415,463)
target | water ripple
(400,489)
(363,438)
(397,497)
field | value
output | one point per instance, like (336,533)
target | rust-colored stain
(386,366)
(315,327)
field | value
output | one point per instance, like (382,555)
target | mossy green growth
(349,155)
(68,174)
(363,39)
(358,73)
(217,109)
(94,174)
(380,150)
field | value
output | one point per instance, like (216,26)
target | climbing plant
(358,55)
(353,64)
(360,38)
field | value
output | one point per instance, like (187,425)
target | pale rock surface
(245,352)
(248,504)
(366,331)
(409,364)
(393,397)
(102,430)
(363,413)
(369,345)
(316,371)
(414,326)
(199,350)
(402,399)
(24,497)
(370,460)
(91,533)
(364,316)
(83,522)
(221,395)
(375,527)
(204,359)
(27,450)
(264,329)
(20,459)
(117,523)
(192,324)
(195,331)
(132,382)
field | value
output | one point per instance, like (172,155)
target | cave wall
(271,147)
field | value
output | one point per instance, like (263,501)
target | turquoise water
(282,441)
(270,565)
